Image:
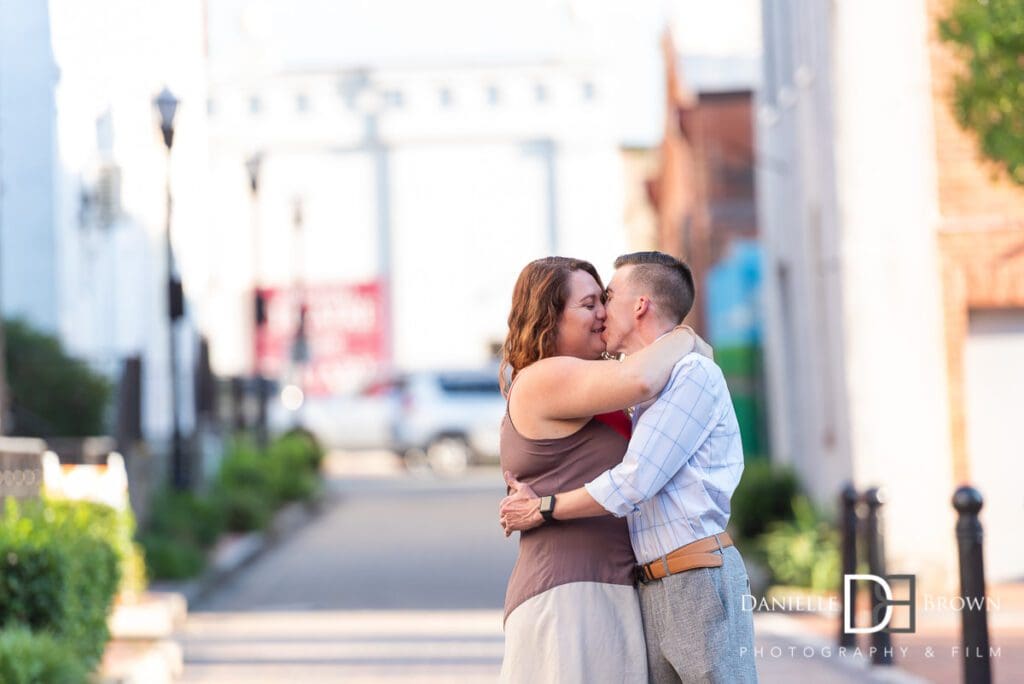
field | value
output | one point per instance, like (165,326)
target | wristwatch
(547,508)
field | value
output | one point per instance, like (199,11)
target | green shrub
(803,552)
(315,452)
(187,517)
(293,462)
(60,572)
(249,486)
(171,559)
(52,394)
(245,510)
(245,489)
(116,528)
(28,657)
(763,497)
(244,467)
(181,526)
(32,582)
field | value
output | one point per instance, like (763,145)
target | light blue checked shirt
(683,462)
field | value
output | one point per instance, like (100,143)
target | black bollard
(974,622)
(881,641)
(848,530)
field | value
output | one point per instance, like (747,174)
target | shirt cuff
(605,492)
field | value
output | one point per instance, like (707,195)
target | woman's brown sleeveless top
(583,550)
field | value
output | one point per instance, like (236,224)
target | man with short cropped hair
(675,482)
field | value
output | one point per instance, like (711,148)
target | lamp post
(300,347)
(167,106)
(252,166)
(3,340)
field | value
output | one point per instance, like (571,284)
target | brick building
(699,204)
(894,278)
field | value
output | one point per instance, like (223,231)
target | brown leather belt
(698,554)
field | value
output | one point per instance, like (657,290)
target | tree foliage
(52,394)
(989,95)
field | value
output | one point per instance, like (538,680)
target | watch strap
(547,507)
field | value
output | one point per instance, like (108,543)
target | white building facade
(861,376)
(434,183)
(28,150)
(83,169)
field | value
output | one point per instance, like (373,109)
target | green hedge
(295,464)
(764,496)
(61,571)
(252,484)
(245,486)
(28,657)
(249,487)
(181,525)
(803,552)
(779,528)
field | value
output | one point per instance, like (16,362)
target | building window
(589,91)
(540,92)
(446,97)
(211,107)
(493,95)
(255,105)
(302,103)
(394,98)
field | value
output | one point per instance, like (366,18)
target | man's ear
(643,305)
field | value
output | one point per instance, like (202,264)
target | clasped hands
(520,510)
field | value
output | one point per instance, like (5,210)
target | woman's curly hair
(537,302)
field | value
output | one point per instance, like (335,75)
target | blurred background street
(256,263)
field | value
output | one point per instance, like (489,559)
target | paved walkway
(437,646)
(934,652)
(344,646)
(403,580)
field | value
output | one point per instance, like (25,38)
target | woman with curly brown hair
(571,609)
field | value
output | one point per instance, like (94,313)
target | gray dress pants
(695,625)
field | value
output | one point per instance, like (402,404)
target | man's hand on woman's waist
(520,510)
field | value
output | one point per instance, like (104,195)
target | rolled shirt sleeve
(665,438)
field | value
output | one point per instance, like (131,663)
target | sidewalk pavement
(440,646)
(787,650)
(140,650)
(938,634)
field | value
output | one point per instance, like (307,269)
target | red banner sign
(344,332)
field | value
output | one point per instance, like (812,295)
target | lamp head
(167,106)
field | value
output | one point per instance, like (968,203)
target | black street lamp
(252,166)
(167,106)
(300,346)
